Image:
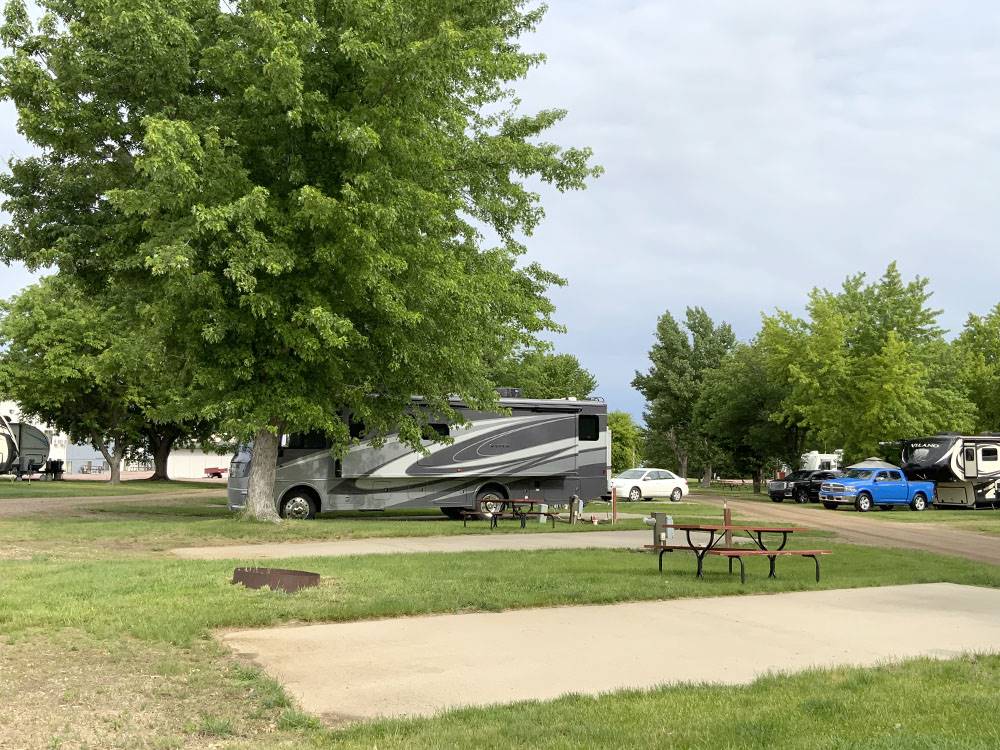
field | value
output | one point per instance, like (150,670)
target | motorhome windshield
(858,474)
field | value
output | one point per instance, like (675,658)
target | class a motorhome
(554,451)
(966,468)
(23,448)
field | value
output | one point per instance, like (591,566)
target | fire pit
(275,578)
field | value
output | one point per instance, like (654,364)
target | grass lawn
(97,488)
(105,642)
(151,527)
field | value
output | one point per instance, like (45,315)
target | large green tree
(85,365)
(978,349)
(626,441)
(681,359)
(735,410)
(868,364)
(543,374)
(299,189)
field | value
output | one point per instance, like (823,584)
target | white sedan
(645,484)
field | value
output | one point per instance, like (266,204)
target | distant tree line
(866,364)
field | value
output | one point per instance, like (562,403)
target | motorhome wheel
(298,507)
(490,502)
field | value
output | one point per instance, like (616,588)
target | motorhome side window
(590,427)
(989,454)
(435,430)
(306,441)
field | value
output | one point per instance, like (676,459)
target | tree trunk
(113,457)
(161,444)
(706,477)
(758,480)
(260,491)
(682,465)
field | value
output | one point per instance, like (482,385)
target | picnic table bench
(717,533)
(516,512)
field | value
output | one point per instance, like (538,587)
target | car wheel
(298,507)
(919,501)
(864,503)
(634,495)
(676,495)
(802,496)
(830,506)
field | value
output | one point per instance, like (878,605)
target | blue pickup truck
(865,488)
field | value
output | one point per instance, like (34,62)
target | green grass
(180,600)
(92,577)
(921,704)
(96,488)
(159,525)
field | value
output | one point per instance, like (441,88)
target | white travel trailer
(554,451)
(966,468)
(816,461)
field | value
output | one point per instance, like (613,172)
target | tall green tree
(735,409)
(543,374)
(626,441)
(868,364)
(681,360)
(298,189)
(978,350)
(87,366)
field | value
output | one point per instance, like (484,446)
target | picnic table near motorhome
(717,533)
(518,512)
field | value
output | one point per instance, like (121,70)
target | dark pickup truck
(802,486)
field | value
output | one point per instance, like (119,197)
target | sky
(753,151)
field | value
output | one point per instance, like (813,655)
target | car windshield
(797,475)
(858,474)
(632,474)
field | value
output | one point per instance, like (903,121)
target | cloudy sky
(754,150)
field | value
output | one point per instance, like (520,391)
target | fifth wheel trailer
(552,450)
(966,468)
(23,448)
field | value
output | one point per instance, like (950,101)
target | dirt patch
(71,692)
(64,506)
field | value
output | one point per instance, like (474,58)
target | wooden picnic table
(717,533)
(517,512)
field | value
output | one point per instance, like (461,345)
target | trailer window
(590,427)
(989,454)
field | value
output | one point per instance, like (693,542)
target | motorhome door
(971,462)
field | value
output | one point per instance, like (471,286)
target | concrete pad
(404,545)
(421,665)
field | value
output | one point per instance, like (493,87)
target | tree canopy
(626,441)
(543,374)
(299,190)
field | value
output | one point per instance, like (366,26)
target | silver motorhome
(965,468)
(550,450)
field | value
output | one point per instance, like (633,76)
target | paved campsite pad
(420,665)
(406,545)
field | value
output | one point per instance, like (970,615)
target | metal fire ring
(275,578)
